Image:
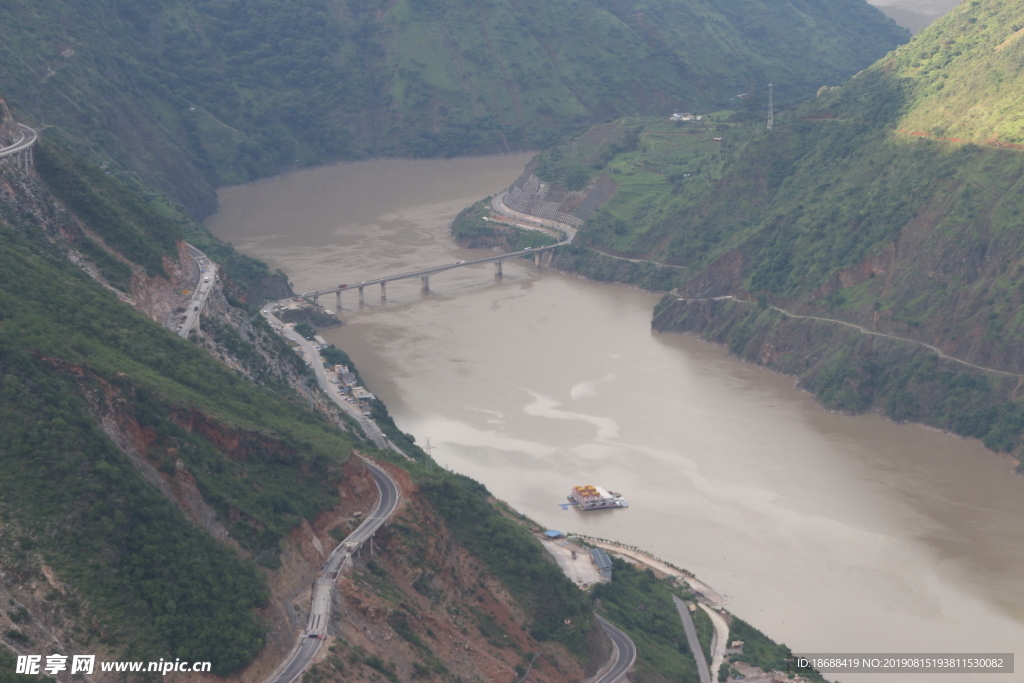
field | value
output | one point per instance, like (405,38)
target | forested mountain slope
(867,205)
(160,501)
(192,94)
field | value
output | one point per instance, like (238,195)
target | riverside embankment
(830,532)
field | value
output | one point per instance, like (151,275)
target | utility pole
(429,449)
(771,108)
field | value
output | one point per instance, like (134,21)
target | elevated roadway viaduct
(21,149)
(424,274)
(310,640)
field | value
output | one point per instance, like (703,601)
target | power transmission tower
(430,452)
(771,108)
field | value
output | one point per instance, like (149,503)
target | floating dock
(595,498)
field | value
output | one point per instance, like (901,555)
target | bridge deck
(426,272)
(28,138)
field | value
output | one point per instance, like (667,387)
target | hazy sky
(915,14)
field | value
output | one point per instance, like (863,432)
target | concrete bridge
(21,149)
(425,274)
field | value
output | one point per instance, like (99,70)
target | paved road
(207,278)
(323,586)
(692,640)
(370,428)
(863,330)
(721,639)
(623,656)
(426,272)
(498,206)
(27,139)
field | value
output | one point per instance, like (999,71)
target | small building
(320,340)
(603,562)
(552,533)
(362,394)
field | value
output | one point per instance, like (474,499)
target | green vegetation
(971,55)
(97,403)
(641,605)
(761,651)
(166,587)
(142,231)
(117,273)
(839,213)
(153,582)
(311,315)
(509,552)
(8,666)
(190,94)
(470,230)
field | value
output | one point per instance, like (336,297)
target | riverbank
(819,520)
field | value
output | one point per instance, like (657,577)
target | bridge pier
(316,300)
(361,300)
(337,302)
(383,291)
(497,269)
(426,285)
(536,260)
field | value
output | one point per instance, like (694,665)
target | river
(831,533)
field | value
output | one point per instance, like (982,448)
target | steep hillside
(167,498)
(160,500)
(866,206)
(192,94)
(144,481)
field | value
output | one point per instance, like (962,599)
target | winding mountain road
(863,330)
(623,656)
(312,637)
(27,139)
(207,278)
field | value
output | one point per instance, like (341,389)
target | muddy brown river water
(831,533)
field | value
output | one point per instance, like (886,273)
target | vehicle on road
(206,279)
(342,286)
(528,249)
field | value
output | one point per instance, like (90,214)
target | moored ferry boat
(595,498)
